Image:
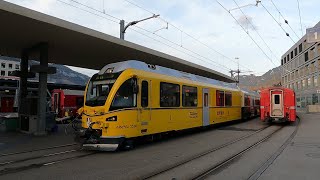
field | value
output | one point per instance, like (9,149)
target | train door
(56,102)
(145,102)
(276,104)
(205,107)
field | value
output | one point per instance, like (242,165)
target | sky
(200,31)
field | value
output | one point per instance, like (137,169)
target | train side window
(144,94)
(246,101)
(220,98)
(228,98)
(277,99)
(169,95)
(257,102)
(189,96)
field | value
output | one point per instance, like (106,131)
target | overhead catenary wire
(170,46)
(285,20)
(88,11)
(253,27)
(183,47)
(251,37)
(89,7)
(300,17)
(287,34)
(142,33)
(187,34)
(246,32)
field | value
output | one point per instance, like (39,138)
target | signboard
(313,34)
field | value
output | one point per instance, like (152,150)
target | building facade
(301,71)
(7,66)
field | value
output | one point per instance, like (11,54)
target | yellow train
(130,99)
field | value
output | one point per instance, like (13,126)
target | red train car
(65,102)
(278,104)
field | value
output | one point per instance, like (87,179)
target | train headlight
(113,118)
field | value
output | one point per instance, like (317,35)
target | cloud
(246,22)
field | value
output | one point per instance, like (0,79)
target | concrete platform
(16,142)
(301,158)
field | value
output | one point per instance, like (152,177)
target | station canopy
(75,45)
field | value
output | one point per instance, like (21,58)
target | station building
(301,71)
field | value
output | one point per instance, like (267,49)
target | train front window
(125,97)
(98,92)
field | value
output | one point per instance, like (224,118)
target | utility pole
(123,28)
(236,71)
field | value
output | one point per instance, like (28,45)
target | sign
(313,34)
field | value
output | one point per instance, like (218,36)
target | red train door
(277,103)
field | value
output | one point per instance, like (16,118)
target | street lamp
(124,28)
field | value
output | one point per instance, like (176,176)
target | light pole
(123,28)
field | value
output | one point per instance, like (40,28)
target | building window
(303,82)
(144,94)
(189,96)
(288,58)
(315,99)
(228,99)
(291,54)
(303,102)
(285,60)
(169,95)
(281,62)
(295,51)
(17,66)
(300,48)
(10,66)
(220,98)
(315,81)
(3,65)
(9,73)
(3,73)
(306,57)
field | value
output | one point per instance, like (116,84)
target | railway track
(197,156)
(39,149)
(217,165)
(265,165)
(25,160)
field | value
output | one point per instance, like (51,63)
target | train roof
(135,64)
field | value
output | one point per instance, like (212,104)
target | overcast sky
(200,31)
